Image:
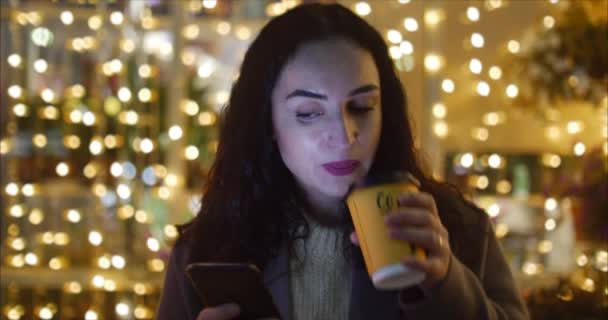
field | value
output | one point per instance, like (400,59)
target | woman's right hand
(222,312)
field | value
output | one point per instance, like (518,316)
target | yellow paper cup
(368,204)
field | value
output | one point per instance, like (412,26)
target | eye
(308,116)
(360,109)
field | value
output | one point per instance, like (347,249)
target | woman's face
(327,117)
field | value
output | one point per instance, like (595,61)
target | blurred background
(110,108)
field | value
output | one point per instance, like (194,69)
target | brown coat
(479,283)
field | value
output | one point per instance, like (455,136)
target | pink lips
(341,168)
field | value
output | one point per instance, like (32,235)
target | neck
(325,211)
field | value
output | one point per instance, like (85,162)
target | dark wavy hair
(250,207)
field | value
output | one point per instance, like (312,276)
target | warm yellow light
(191,152)
(501,230)
(433,62)
(39,140)
(549,22)
(109,285)
(145,71)
(410,24)
(17,211)
(467,160)
(141,216)
(441,129)
(223,28)
(140,289)
(493,118)
(432,17)
(144,95)
(475,66)
(40,65)
(206,118)
(129,117)
(153,244)
(473,14)
(50,112)
(209,4)
(47,238)
(126,212)
(73,287)
(531,268)
(406,47)
(579,149)
(477,40)
(45,313)
(117,18)
(574,127)
(512,91)
(67,17)
(62,169)
(175,132)
(118,261)
(73,215)
(243,33)
(588,285)
(493,4)
(88,118)
(362,8)
(31,259)
(104,262)
(163,193)
(550,224)
(95,238)
(439,110)
(18,244)
(156,265)
(394,36)
(116,169)
(170,231)
(127,45)
(275,9)
(97,281)
(482,182)
(395,52)
(90,170)
(146,145)
(205,69)
(191,31)
(5,146)
(190,107)
(483,88)
(15,91)
(551,160)
(17,260)
(14,60)
(123,191)
(61,238)
(447,85)
(20,110)
(48,95)
(513,46)
(495,72)
(553,132)
(493,210)
(95,22)
(404,1)
(550,204)
(221,97)
(188,57)
(12,189)
(495,161)
(90,315)
(36,216)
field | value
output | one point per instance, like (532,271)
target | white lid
(396,276)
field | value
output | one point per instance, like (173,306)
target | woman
(317,107)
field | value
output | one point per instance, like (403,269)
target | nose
(345,132)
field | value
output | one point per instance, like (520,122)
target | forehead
(329,63)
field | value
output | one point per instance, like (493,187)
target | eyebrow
(309,94)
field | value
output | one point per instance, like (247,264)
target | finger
(418,199)
(354,239)
(410,216)
(423,237)
(221,312)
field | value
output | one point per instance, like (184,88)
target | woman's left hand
(416,221)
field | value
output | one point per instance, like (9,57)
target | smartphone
(240,283)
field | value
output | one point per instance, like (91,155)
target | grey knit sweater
(320,287)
